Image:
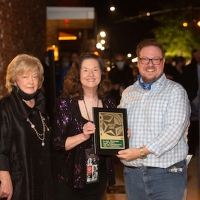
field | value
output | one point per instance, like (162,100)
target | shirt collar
(160,81)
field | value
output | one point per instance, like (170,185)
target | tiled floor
(193,193)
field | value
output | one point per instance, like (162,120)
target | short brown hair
(149,42)
(72,83)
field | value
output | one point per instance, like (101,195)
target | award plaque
(111,130)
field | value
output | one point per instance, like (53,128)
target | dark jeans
(145,183)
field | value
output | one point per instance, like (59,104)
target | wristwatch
(142,153)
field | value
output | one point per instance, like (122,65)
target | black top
(21,151)
(70,166)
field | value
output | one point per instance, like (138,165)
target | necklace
(87,109)
(44,127)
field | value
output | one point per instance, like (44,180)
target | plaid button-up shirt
(159,120)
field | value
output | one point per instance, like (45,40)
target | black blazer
(28,162)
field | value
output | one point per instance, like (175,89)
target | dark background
(128,25)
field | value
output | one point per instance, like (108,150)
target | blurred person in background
(62,68)
(178,69)
(175,72)
(135,73)
(191,82)
(193,56)
(120,75)
(73,56)
(195,114)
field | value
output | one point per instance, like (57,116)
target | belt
(142,166)
(172,167)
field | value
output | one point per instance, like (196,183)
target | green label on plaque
(112,144)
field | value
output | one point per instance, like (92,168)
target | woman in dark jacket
(79,173)
(25,167)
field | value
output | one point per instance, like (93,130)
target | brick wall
(22,30)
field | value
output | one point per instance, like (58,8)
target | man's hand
(129,154)
(6,188)
(128,133)
(132,153)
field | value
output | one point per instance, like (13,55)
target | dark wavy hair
(73,86)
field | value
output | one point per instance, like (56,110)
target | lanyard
(89,117)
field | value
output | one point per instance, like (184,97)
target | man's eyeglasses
(155,61)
